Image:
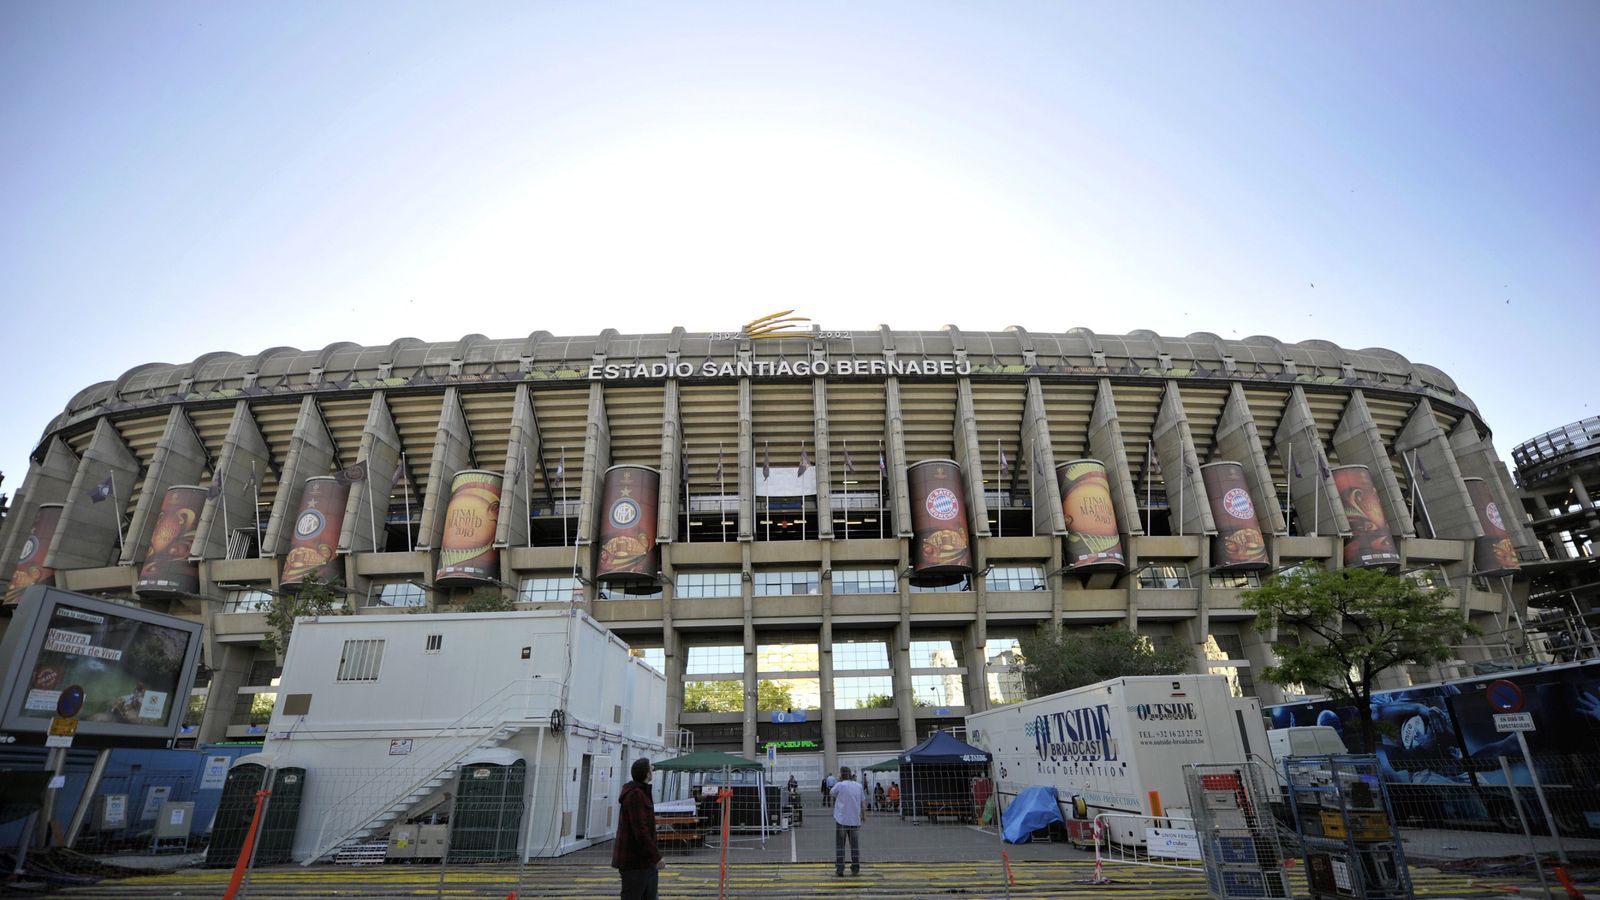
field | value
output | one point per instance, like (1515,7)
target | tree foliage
(1057,659)
(314,598)
(728,696)
(1354,625)
(487,599)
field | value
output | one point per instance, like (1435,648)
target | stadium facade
(1559,475)
(829,542)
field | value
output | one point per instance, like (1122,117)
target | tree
(487,599)
(1355,624)
(1055,659)
(875,701)
(728,696)
(314,598)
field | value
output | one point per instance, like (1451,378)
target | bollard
(1011,880)
(1566,882)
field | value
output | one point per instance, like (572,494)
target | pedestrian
(877,797)
(849,803)
(635,855)
(894,795)
(827,788)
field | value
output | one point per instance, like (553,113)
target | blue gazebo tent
(939,772)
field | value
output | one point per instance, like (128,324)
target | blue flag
(100,491)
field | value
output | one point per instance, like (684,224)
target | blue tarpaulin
(1033,809)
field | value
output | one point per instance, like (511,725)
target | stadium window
(965,584)
(1235,580)
(654,657)
(1015,578)
(860,656)
(864,581)
(787,583)
(863,692)
(1165,577)
(934,655)
(360,660)
(397,594)
(247,600)
(549,589)
(706,584)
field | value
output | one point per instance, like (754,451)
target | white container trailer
(1121,745)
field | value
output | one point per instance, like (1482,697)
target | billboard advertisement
(314,545)
(1093,542)
(167,571)
(123,672)
(1239,543)
(466,549)
(941,549)
(1370,543)
(30,562)
(628,500)
(1494,553)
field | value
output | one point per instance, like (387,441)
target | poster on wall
(941,549)
(628,499)
(1370,543)
(31,569)
(314,545)
(467,554)
(167,571)
(1093,542)
(1239,544)
(1494,554)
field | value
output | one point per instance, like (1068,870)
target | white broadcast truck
(1120,746)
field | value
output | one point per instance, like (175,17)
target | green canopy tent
(725,764)
(876,771)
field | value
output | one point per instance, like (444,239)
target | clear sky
(1422,176)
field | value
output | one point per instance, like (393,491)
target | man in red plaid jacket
(634,854)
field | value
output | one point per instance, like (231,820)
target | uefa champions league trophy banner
(314,546)
(466,551)
(1371,543)
(1239,544)
(1093,542)
(1494,554)
(167,571)
(941,551)
(628,553)
(31,569)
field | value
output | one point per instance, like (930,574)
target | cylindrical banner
(1093,542)
(31,569)
(1495,554)
(1370,543)
(314,546)
(941,552)
(167,571)
(1239,544)
(466,552)
(628,525)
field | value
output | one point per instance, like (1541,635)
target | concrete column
(179,458)
(673,662)
(747,459)
(230,663)
(1106,444)
(670,501)
(48,481)
(1238,439)
(524,454)
(829,702)
(86,536)
(895,444)
(1202,603)
(969,455)
(244,462)
(822,455)
(310,453)
(596,459)
(900,659)
(367,510)
(1299,446)
(1038,454)
(1447,504)
(975,661)
(452,452)
(1358,443)
(1180,466)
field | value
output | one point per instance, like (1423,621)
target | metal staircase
(388,794)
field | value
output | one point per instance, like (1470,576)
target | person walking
(827,788)
(635,855)
(849,803)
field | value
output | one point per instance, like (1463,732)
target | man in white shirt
(849,803)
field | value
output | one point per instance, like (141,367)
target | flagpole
(1149,498)
(999,526)
(255,511)
(1183,470)
(1288,490)
(1316,501)
(766,475)
(227,532)
(846,493)
(883,480)
(688,526)
(405,484)
(372,509)
(722,496)
(527,493)
(116,507)
(562,468)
